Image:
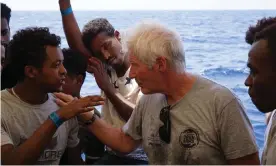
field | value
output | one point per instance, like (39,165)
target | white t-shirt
(269,153)
(129,90)
(19,120)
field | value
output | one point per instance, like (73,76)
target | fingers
(94,61)
(94,98)
(92,69)
(61,103)
(64,97)
(87,102)
(92,103)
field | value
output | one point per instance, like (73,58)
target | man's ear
(117,35)
(161,64)
(31,71)
(80,79)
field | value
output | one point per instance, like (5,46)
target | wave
(225,72)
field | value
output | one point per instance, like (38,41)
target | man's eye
(4,32)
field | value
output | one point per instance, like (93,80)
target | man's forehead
(259,49)
(4,23)
(54,53)
(101,38)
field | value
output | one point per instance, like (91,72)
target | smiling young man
(34,130)
(101,40)
(262,78)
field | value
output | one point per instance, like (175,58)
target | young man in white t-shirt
(262,78)
(34,130)
(101,40)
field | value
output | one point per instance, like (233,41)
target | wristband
(56,119)
(66,11)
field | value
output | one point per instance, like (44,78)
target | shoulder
(218,93)
(8,101)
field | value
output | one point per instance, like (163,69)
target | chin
(264,108)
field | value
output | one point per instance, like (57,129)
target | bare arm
(114,138)
(122,106)
(31,149)
(252,159)
(71,30)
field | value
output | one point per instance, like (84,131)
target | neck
(77,95)
(30,93)
(121,70)
(184,83)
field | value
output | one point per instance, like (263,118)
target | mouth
(62,81)
(109,61)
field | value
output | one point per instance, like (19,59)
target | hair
(5,12)
(93,28)
(150,40)
(260,26)
(74,62)
(28,47)
(269,34)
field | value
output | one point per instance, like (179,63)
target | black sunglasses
(165,130)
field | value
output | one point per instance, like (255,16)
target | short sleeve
(73,139)
(269,152)
(133,127)
(236,132)
(5,138)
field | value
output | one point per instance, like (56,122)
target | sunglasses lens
(165,130)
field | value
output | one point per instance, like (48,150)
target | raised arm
(29,152)
(71,29)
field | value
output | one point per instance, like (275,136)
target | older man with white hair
(182,118)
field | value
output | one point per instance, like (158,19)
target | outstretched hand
(71,107)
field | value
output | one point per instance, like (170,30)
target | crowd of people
(153,110)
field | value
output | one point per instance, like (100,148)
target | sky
(144,4)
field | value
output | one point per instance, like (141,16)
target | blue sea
(213,41)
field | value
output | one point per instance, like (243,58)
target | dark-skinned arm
(71,30)
(122,106)
(31,149)
(73,36)
(29,152)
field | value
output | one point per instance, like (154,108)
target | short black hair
(28,47)
(260,26)
(74,62)
(5,12)
(269,34)
(93,28)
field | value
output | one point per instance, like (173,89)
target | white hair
(150,40)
